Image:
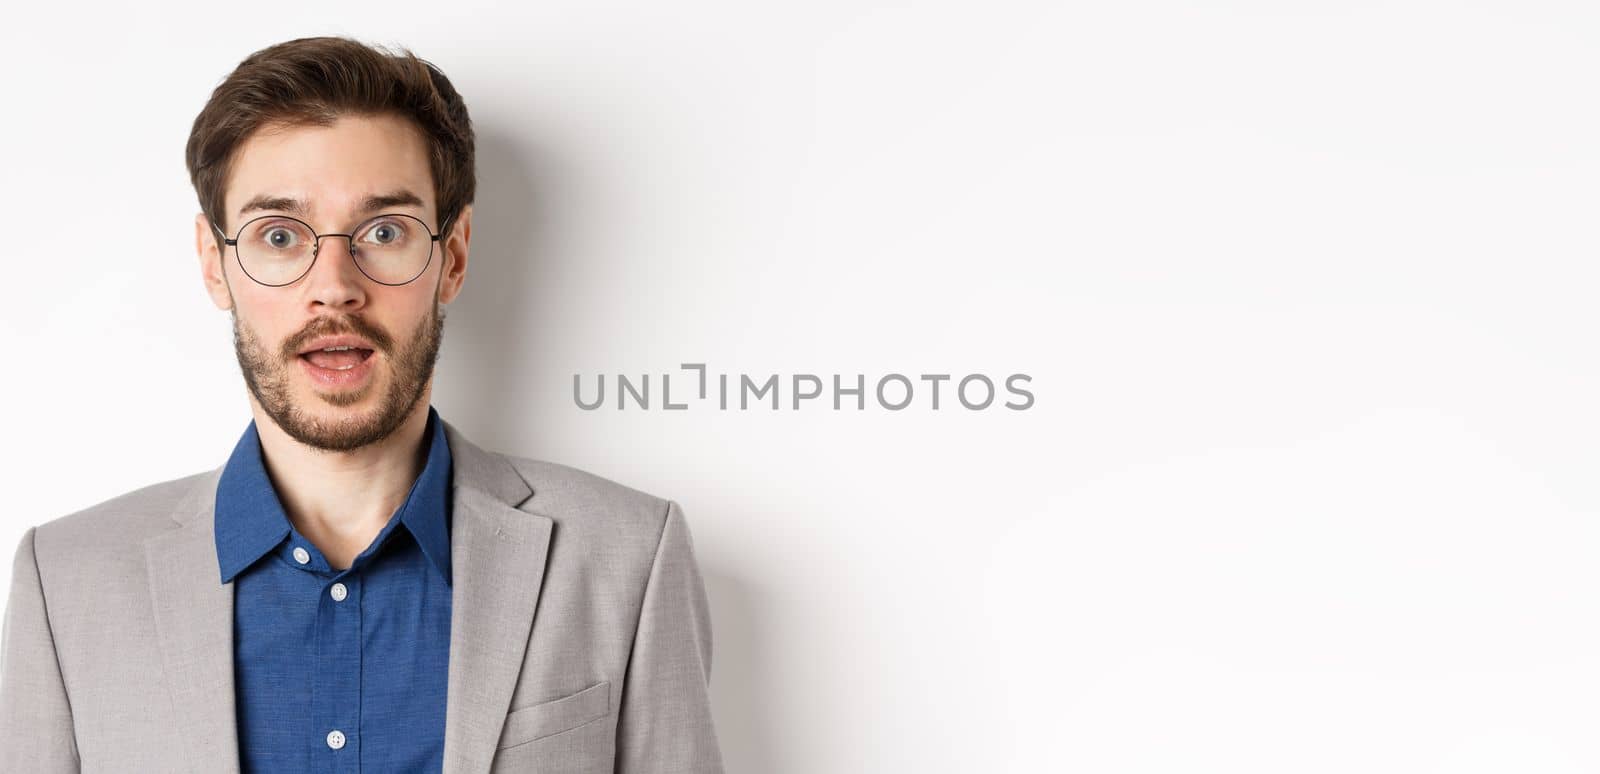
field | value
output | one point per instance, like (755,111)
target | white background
(1305,289)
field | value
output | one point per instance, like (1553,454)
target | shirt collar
(250,519)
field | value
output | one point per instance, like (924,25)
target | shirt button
(335,739)
(339,592)
(300,555)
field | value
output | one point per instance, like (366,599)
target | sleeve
(664,725)
(36,732)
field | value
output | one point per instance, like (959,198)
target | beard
(408,372)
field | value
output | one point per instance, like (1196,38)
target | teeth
(336,349)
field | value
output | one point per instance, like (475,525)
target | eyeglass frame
(316,246)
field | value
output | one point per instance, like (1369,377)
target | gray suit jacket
(580,636)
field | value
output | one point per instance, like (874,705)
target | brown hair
(313,81)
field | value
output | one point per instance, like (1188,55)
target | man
(358,588)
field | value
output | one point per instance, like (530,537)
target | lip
(335,379)
(323,342)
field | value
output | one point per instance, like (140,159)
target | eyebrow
(399,198)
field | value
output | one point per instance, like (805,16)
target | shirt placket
(336,680)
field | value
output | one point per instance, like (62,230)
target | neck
(340,500)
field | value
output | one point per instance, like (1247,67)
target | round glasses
(277,250)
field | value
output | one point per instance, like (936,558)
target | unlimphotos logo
(894,392)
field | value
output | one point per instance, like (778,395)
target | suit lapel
(497,557)
(193,614)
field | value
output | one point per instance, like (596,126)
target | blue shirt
(338,670)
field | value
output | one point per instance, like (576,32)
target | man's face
(343,400)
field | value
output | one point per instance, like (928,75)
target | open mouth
(337,358)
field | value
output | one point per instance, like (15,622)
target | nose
(334,280)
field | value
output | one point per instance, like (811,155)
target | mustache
(350,325)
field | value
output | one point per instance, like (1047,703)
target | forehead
(333,168)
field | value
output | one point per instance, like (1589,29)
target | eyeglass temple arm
(225,239)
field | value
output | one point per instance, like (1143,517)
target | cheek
(258,300)
(413,311)
(268,325)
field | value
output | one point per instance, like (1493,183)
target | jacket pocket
(537,721)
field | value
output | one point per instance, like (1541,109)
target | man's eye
(385,233)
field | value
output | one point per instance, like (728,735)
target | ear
(206,243)
(455,245)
